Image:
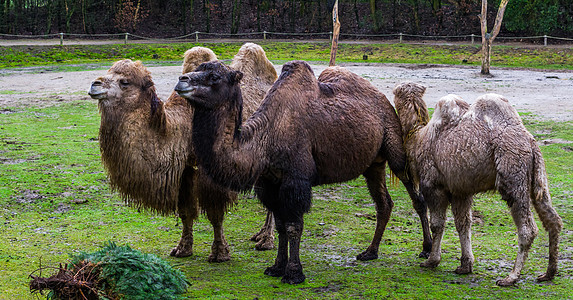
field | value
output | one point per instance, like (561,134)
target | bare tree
(487,38)
(335,31)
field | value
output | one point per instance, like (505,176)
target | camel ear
(235,76)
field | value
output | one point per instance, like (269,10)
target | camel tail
(542,203)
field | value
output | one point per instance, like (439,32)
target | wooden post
(335,34)
(545,40)
(264,35)
(61,38)
(126,36)
(196,36)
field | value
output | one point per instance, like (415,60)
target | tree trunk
(487,38)
(3,16)
(356,15)
(374,14)
(235,16)
(335,34)
(207,8)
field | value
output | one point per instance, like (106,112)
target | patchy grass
(502,56)
(55,201)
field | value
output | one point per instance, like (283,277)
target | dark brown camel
(305,133)
(464,150)
(146,149)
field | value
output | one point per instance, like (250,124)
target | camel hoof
(506,282)
(430,264)
(181,252)
(275,271)
(545,277)
(424,254)
(463,270)
(293,278)
(265,244)
(367,255)
(217,258)
(256,237)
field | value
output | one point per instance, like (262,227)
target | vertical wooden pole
(335,34)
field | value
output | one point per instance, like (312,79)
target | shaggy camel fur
(146,149)
(464,150)
(307,132)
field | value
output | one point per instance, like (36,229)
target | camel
(464,150)
(146,149)
(307,132)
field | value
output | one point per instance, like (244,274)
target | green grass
(55,201)
(65,57)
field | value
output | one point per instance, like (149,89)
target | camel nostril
(97,83)
(184,78)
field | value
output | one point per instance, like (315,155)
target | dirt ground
(547,94)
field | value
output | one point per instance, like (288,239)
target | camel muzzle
(97,91)
(185,87)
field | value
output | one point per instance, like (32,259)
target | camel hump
(196,56)
(450,109)
(494,110)
(342,77)
(252,60)
(298,71)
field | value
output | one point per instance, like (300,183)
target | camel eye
(124,82)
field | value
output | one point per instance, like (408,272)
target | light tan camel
(464,150)
(146,149)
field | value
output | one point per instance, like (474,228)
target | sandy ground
(547,94)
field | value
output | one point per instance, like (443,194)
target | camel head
(410,106)
(210,85)
(126,83)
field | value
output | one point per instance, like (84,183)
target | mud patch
(62,208)
(7,111)
(331,287)
(554,141)
(29,196)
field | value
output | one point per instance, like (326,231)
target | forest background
(169,18)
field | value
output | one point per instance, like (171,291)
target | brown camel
(146,149)
(464,150)
(306,132)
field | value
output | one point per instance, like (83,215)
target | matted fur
(196,56)
(306,132)
(258,75)
(144,164)
(146,150)
(464,150)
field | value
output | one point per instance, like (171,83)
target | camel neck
(222,150)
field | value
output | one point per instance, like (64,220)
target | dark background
(171,18)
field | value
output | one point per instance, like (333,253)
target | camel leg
(553,225)
(278,269)
(526,232)
(398,168)
(421,208)
(293,272)
(219,249)
(214,201)
(375,180)
(187,208)
(461,207)
(265,238)
(294,200)
(438,205)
